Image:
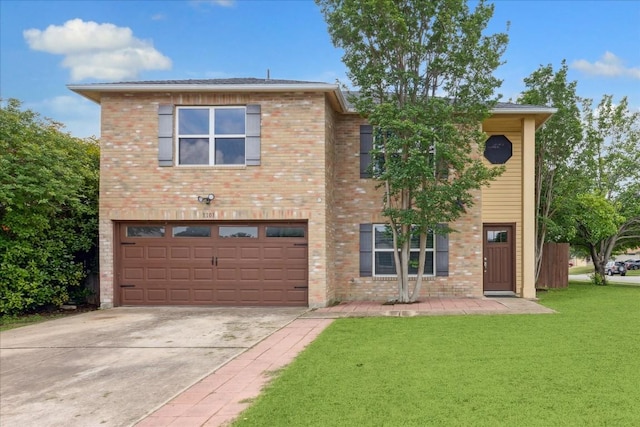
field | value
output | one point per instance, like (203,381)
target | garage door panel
(200,253)
(202,274)
(203,295)
(252,274)
(133,252)
(226,295)
(180,273)
(157,252)
(156,273)
(182,269)
(296,253)
(273,253)
(133,273)
(180,253)
(226,252)
(247,254)
(179,295)
(250,295)
(299,295)
(297,274)
(273,274)
(134,295)
(228,274)
(157,295)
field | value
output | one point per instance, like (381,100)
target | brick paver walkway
(219,398)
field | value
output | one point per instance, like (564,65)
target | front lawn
(580,367)
(585,269)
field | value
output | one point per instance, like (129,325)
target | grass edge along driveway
(580,367)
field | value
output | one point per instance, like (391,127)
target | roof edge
(533,109)
(92,91)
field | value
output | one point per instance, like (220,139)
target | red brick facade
(309,170)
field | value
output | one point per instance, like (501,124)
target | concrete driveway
(112,367)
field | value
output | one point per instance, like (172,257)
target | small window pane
(193,121)
(415,241)
(497,236)
(229,121)
(145,231)
(428,263)
(194,151)
(383,237)
(385,263)
(230,151)
(192,231)
(285,231)
(251,232)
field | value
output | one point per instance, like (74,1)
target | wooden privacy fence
(554,272)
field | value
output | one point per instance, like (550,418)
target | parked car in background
(615,267)
(632,264)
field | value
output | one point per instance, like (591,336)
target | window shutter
(165,135)
(366,145)
(442,255)
(366,250)
(253,135)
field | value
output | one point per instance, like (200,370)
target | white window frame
(375,250)
(211,136)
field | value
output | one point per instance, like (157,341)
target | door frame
(512,230)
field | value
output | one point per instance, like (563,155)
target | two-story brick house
(255,192)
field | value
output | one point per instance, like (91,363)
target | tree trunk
(421,260)
(598,264)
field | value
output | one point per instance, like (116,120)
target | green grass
(12,322)
(580,367)
(587,269)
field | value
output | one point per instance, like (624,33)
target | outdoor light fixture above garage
(206,199)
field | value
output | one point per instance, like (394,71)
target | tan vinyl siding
(502,200)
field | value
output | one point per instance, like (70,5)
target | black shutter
(253,135)
(442,255)
(366,250)
(165,135)
(366,145)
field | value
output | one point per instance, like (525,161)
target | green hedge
(48,210)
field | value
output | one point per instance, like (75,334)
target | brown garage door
(212,264)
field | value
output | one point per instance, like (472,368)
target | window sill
(191,167)
(394,278)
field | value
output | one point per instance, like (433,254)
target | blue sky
(45,45)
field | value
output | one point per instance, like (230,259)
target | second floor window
(211,135)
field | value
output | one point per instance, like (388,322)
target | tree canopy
(48,210)
(424,72)
(605,216)
(557,143)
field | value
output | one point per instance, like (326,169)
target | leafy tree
(424,70)
(603,215)
(557,142)
(48,210)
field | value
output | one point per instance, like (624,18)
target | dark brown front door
(212,264)
(499,257)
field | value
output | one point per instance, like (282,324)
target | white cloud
(98,51)
(609,65)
